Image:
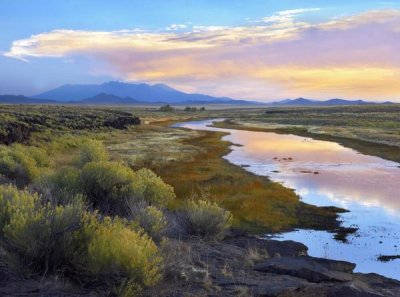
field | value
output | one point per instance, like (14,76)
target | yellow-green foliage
(152,220)
(14,202)
(107,185)
(61,187)
(152,188)
(37,236)
(67,179)
(206,218)
(22,163)
(110,185)
(92,151)
(116,250)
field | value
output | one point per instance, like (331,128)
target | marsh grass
(256,203)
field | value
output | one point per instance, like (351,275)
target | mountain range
(143,93)
(120,93)
(330,102)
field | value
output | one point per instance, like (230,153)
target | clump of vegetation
(167,108)
(18,123)
(206,218)
(126,259)
(111,185)
(151,219)
(194,109)
(151,188)
(36,237)
(108,185)
(92,151)
(42,238)
(21,163)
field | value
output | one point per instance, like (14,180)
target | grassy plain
(191,160)
(188,160)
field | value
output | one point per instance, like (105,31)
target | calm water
(325,173)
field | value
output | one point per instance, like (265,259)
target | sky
(259,50)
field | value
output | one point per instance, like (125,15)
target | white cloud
(287,16)
(175,27)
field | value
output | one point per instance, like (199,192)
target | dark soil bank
(240,265)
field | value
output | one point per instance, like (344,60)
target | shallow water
(325,173)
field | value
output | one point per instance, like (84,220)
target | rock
(276,284)
(287,248)
(309,268)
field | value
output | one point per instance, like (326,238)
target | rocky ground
(241,265)
(247,266)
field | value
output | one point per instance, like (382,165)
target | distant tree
(190,109)
(202,108)
(167,108)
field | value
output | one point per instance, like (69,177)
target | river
(325,173)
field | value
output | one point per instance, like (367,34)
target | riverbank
(244,265)
(258,204)
(370,130)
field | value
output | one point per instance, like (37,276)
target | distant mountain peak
(142,92)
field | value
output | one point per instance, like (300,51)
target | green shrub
(13,202)
(67,179)
(21,163)
(167,108)
(206,218)
(107,185)
(92,151)
(152,220)
(110,186)
(127,259)
(152,188)
(61,187)
(36,237)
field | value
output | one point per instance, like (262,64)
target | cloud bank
(278,56)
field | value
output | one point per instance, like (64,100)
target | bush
(92,151)
(12,202)
(151,219)
(207,219)
(107,185)
(126,258)
(21,163)
(191,109)
(167,108)
(36,237)
(110,186)
(62,187)
(152,188)
(41,239)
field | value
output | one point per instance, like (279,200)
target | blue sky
(39,68)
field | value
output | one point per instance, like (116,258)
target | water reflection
(326,173)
